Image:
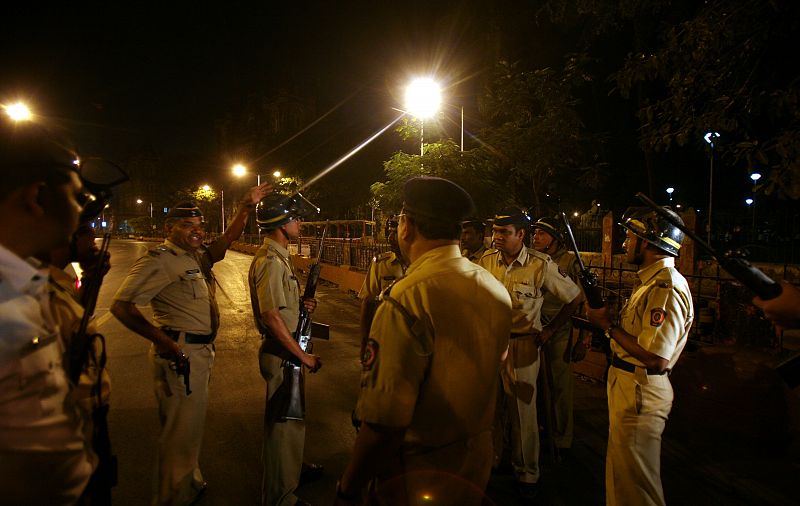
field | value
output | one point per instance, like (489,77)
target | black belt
(190,338)
(628,367)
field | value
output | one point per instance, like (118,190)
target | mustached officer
(652,331)
(175,278)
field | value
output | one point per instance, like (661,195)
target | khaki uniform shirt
(659,313)
(567,265)
(475,256)
(384,270)
(274,285)
(527,279)
(433,356)
(178,284)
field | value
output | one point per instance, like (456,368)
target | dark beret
(512,216)
(28,147)
(437,199)
(185,210)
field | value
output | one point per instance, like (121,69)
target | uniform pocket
(42,378)
(194,285)
(525,296)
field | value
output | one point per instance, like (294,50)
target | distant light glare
(749,201)
(206,188)
(76,162)
(18,111)
(239,170)
(755,176)
(575,214)
(138,201)
(423,97)
(670,190)
(277,173)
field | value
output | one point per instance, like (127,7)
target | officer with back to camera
(175,278)
(652,332)
(276,299)
(431,365)
(384,270)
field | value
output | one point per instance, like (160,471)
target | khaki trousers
(638,406)
(557,352)
(519,384)
(282,448)
(177,474)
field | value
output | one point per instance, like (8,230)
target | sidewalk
(728,440)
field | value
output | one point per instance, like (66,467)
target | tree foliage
(722,69)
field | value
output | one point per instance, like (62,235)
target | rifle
(587,278)
(750,276)
(295,406)
(81,343)
(733,262)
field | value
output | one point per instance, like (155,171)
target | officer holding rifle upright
(276,300)
(175,277)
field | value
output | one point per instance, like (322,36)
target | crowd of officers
(453,344)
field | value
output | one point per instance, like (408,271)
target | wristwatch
(607,333)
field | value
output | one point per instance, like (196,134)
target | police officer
(276,299)
(527,275)
(384,270)
(472,243)
(549,239)
(44,457)
(431,364)
(176,279)
(652,332)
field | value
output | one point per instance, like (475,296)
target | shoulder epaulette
(386,255)
(539,254)
(490,252)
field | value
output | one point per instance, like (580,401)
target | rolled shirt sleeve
(560,284)
(663,320)
(145,280)
(370,288)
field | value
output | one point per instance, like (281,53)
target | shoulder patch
(370,355)
(657,317)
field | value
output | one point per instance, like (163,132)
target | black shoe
(528,491)
(310,473)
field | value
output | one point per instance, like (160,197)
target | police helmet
(276,210)
(391,224)
(647,224)
(550,225)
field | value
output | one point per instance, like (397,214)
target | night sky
(157,77)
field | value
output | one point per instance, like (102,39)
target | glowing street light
(18,111)
(670,191)
(749,201)
(239,170)
(277,173)
(423,98)
(755,176)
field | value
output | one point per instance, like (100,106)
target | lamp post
(670,191)
(710,139)
(208,188)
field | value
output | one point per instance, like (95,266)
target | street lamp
(18,111)
(710,140)
(277,173)
(422,100)
(670,190)
(755,176)
(239,170)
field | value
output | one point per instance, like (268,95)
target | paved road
(706,459)
(232,443)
